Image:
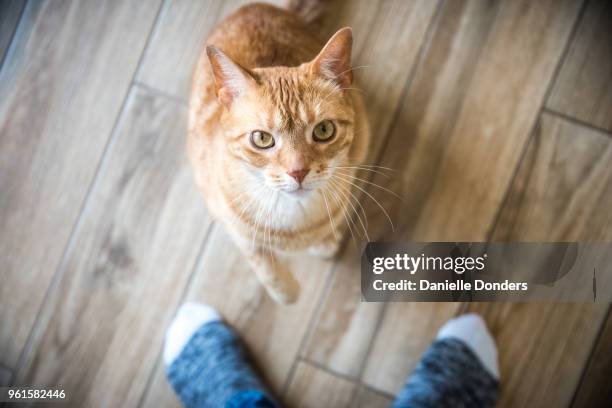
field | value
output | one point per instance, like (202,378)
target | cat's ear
(334,60)
(231,79)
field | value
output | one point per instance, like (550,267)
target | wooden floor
(497,116)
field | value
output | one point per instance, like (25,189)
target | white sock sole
(189,318)
(472,330)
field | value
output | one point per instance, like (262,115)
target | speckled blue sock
(449,375)
(212,371)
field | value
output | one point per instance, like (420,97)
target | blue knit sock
(211,369)
(458,370)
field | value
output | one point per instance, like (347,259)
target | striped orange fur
(263,70)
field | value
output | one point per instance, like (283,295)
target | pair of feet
(208,366)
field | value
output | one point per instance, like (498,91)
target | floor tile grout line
(357,380)
(598,337)
(328,370)
(378,391)
(462,309)
(137,81)
(359,384)
(578,122)
(419,61)
(194,270)
(156,91)
(565,53)
(379,322)
(522,157)
(11,42)
(534,127)
(154,27)
(59,270)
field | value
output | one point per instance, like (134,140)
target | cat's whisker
(333,226)
(266,221)
(253,200)
(242,194)
(374,166)
(363,169)
(344,198)
(375,200)
(340,189)
(343,209)
(349,191)
(249,204)
(269,227)
(276,230)
(364,221)
(347,198)
(371,183)
(256,228)
(362,166)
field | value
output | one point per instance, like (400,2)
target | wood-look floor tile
(61,92)
(583,88)
(101,328)
(562,192)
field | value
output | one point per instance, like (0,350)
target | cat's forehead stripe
(286,92)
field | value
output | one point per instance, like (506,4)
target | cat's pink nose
(298,175)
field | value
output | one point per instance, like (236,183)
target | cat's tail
(308,10)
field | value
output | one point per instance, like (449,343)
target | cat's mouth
(299,192)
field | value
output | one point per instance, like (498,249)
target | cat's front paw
(325,250)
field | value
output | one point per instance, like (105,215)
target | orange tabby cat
(275,131)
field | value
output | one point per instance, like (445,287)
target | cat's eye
(324,131)
(261,139)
